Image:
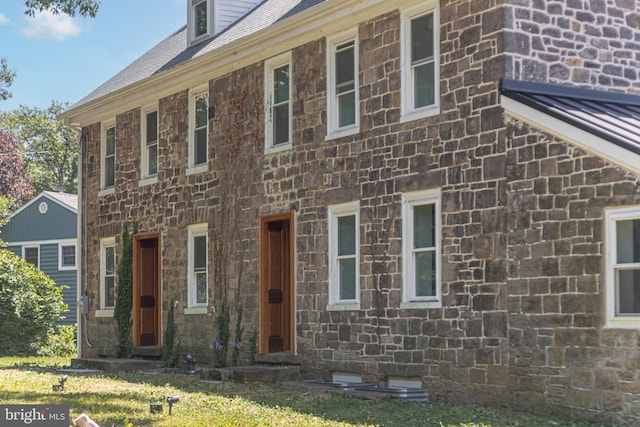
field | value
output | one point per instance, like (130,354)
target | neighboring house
(43,232)
(440,194)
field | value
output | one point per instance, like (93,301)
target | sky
(58,58)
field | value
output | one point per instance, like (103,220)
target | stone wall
(589,43)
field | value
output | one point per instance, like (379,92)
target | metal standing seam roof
(612,116)
(173,50)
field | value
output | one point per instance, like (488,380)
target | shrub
(60,342)
(30,304)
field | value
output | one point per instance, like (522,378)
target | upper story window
(420,61)
(344,257)
(198,129)
(108,156)
(421,250)
(149,149)
(623,267)
(67,256)
(31,254)
(199,20)
(278,103)
(342,85)
(198,289)
(107,273)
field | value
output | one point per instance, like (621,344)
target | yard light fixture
(172,400)
(191,363)
(60,385)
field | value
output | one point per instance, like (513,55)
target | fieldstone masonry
(522,212)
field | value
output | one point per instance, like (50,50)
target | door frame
(136,287)
(263,298)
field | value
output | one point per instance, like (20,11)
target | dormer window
(200,20)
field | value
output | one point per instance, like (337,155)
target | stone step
(255,373)
(113,366)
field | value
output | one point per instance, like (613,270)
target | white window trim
(333,130)
(191,22)
(196,230)
(611,217)
(408,112)
(193,94)
(145,177)
(103,153)
(60,259)
(105,243)
(31,247)
(269,66)
(335,212)
(409,200)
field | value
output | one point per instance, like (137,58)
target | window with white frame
(278,99)
(199,20)
(342,85)
(420,61)
(107,273)
(149,160)
(108,156)
(198,128)
(623,267)
(198,289)
(421,250)
(344,257)
(31,254)
(67,256)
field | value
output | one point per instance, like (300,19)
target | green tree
(68,7)
(6,79)
(5,211)
(48,146)
(30,304)
(124,298)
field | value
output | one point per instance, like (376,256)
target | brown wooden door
(146,315)
(276,285)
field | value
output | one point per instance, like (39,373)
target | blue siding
(30,225)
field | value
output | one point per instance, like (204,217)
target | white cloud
(46,25)
(3,19)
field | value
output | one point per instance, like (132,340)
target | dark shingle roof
(612,116)
(173,50)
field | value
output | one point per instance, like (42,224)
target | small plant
(222,343)
(60,342)
(170,354)
(236,343)
(124,298)
(253,346)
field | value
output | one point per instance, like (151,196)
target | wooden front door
(276,283)
(146,291)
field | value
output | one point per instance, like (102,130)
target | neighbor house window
(342,81)
(623,267)
(199,129)
(149,138)
(420,62)
(199,20)
(31,254)
(67,256)
(198,288)
(108,156)
(421,249)
(344,256)
(278,98)
(107,273)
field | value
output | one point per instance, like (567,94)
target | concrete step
(118,365)
(255,373)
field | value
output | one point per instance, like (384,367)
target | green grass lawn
(123,400)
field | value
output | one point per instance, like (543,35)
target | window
(149,161)
(67,256)
(198,266)
(31,254)
(623,267)
(108,156)
(420,61)
(278,96)
(199,129)
(421,250)
(107,273)
(342,90)
(344,256)
(199,21)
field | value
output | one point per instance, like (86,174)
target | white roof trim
(583,139)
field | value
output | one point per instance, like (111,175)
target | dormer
(206,18)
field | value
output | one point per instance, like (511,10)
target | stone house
(434,193)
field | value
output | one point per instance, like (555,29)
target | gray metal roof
(612,116)
(173,51)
